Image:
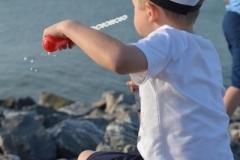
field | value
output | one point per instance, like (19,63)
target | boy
(179,78)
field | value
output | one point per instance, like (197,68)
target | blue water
(71,73)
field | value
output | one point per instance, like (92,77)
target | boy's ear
(152,11)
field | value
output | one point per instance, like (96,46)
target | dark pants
(114,156)
(231,29)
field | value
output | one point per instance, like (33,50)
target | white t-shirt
(182,111)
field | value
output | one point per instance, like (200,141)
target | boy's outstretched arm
(105,50)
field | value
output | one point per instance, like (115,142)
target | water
(71,73)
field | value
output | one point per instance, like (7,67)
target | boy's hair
(189,19)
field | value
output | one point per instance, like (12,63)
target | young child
(179,77)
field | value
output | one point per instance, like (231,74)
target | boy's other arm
(105,50)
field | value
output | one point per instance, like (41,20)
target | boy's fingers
(64,47)
(131,83)
(133,89)
(71,45)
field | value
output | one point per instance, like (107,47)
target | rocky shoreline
(55,128)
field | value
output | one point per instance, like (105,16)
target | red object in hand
(51,43)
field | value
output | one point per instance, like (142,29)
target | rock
(234,130)
(130,117)
(48,99)
(132,149)
(23,102)
(99,113)
(115,98)
(96,113)
(72,137)
(111,99)
(9,157)
(47,115)
(100,104)
(60,129)
(104,147)
(120,134)
(100,123)
(25,137)
(10,102)
(77,109)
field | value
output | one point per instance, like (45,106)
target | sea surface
(27,70)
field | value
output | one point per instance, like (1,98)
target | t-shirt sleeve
(156,48)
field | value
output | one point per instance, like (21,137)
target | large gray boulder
(73,136)
(25,137)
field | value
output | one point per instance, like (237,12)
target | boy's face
(140,19)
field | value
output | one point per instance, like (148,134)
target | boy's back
(182,113)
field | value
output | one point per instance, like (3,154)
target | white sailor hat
(178,6)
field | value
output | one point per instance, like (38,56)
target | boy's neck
(187,28)
(180,24)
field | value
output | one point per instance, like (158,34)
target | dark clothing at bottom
(114,156)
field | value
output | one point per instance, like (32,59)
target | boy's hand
(55,30)
(132,85)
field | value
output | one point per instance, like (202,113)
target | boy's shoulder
(172,41)
(172,34)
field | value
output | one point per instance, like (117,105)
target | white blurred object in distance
(137,99)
